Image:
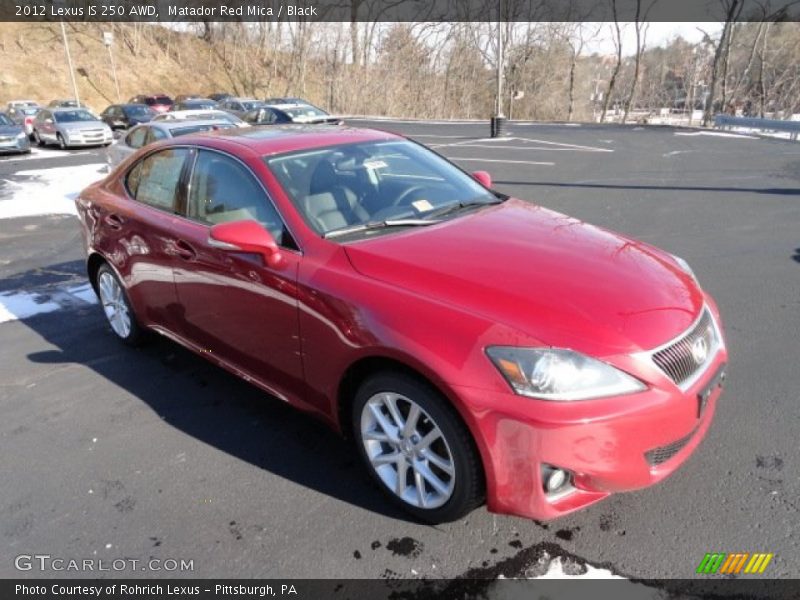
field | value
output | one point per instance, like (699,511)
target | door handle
(113,221)
(184,250)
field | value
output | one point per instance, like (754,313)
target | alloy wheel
(114,304)
(407,450)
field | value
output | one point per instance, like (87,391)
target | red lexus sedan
(475,347)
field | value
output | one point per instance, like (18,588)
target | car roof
(182,123)
(278,139)
(60,109)
(173,114)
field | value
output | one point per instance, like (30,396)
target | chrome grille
(662,454)
(679,360)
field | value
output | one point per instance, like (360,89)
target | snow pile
(46,191)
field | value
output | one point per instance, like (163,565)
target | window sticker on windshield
(422,205)
(374,164)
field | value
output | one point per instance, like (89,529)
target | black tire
(468,488)
(61,143)
(37,138)
(136,335)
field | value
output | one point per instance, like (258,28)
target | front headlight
(21,135)
(559,374)
(686,268)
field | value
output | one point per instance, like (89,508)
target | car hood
(6,130)
(82,125)
(564,282)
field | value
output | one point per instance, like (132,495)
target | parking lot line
(497,160)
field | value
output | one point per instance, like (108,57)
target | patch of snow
(717,134)
(22,305)
(556,571)
(49,191)
(18,305)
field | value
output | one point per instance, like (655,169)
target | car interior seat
(330,203)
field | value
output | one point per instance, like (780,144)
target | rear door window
(136,137)
(155,179)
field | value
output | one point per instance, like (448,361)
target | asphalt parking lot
(108,451)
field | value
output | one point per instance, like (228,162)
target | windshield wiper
(378,225)
(457,206)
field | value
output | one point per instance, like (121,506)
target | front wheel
(37,138)
(116,307)
(416,447)
(61,143)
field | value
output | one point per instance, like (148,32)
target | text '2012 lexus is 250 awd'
(476,348)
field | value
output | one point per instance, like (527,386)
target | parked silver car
(239,106)
(147,133)
(12,136)
(69,127)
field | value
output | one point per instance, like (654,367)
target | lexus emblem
(700,350)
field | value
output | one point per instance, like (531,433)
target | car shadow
(211,405)
(796,255)
(685,188)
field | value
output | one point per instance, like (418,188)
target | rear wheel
(116,307)
(416,448)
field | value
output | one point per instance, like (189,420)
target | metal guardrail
(728,122)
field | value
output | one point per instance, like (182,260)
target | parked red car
(475,347)
(158,102)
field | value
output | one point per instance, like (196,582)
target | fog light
(554,479)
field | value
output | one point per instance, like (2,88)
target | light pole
(108,40)
(69,64)
(500,59)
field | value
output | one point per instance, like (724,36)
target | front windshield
(29,111)
(73,116)
(4,120)
(139,110)
(304,111)
(339,187)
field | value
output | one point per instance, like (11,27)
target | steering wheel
(404,196)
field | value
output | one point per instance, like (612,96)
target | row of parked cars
(69,124)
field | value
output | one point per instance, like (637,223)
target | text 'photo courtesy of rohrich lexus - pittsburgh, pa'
(474,347)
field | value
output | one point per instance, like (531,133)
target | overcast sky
(658,34)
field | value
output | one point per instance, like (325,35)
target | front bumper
(85,142)
(15,145)
(610,445)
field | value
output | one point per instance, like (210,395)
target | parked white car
(199,114)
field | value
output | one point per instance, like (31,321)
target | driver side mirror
(246,236)
(483,178)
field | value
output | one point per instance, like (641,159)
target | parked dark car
(183,97)
(287,100)
(158,102)
(12,136)
(220,96)
(123,116)
(266,115)
(305,114)
(194,104)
